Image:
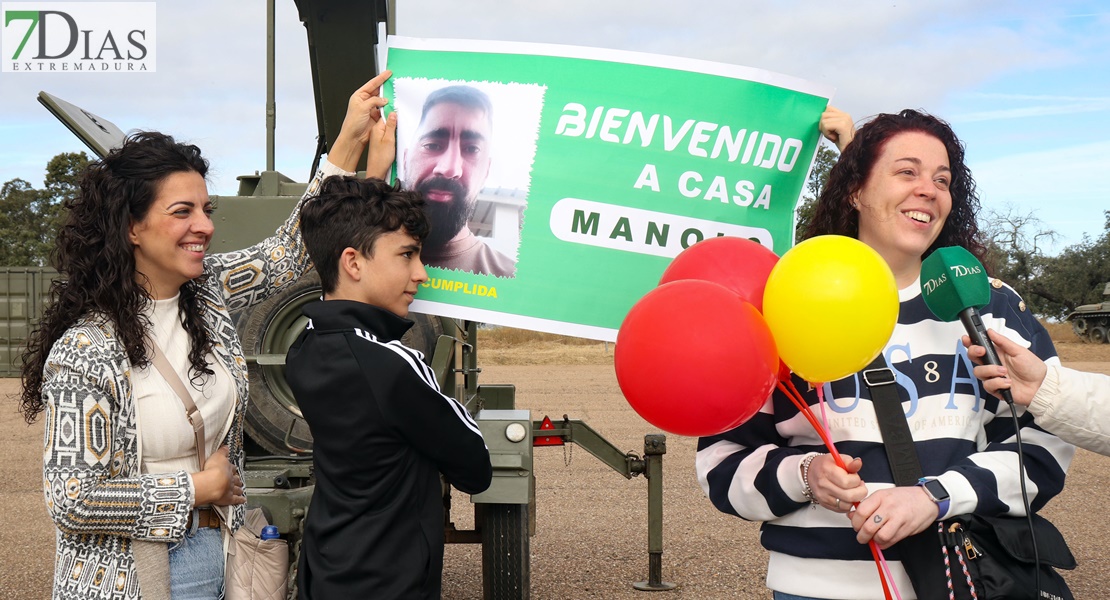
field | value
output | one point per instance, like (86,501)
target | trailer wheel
(506,553)
(273,419)
(1098,335)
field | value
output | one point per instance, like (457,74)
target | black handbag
(997,555)
(993,554)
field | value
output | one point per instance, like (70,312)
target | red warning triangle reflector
(546,440)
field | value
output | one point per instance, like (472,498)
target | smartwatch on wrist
(936,492)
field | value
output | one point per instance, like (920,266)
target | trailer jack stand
(655,446)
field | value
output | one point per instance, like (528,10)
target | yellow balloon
(831,303)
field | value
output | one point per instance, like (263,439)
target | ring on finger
(838,504)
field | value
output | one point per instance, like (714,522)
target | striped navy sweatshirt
(963,436)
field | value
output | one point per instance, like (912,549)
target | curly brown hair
(96,262)
(353,213)
(834,213)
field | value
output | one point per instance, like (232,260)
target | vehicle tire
(506,552)
(273,419)
(1079,326)
(1098,335)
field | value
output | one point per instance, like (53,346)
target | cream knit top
(166,440)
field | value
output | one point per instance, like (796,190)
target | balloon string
(796,397)
(886,569)
(876,552)
(821,403)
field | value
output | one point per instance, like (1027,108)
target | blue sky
(1026,84)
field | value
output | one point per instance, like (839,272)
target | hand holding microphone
(1021,373)
(954,285)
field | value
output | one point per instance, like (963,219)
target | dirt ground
(591,539)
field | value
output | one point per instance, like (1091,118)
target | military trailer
(1092,321)
(278,471)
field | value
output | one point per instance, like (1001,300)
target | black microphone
(954,285)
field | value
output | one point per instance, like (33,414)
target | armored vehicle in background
(1092,321)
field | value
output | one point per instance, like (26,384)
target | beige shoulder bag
(256,569)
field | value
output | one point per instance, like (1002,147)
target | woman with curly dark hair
(902,187)
(135,510)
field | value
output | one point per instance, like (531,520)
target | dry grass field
(591,538)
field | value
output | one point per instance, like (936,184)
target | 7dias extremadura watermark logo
(101,37)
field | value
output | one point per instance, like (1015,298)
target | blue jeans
(782,596)
(197,565)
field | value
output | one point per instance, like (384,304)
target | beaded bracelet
(806,490)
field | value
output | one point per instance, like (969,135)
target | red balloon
(739,264)
(694,359)
(784,371)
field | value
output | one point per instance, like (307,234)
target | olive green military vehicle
(1092,321)
(278,473)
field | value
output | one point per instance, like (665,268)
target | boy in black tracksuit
(382,432)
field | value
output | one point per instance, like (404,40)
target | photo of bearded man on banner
(450,155)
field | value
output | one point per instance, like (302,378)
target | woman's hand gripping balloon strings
(846,481)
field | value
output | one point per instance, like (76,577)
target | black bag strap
(892,422)
(921,554)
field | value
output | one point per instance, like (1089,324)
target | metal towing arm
(505,514)
(627,464)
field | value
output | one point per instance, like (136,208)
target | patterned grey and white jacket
(95,493)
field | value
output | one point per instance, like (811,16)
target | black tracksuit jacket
(382,434)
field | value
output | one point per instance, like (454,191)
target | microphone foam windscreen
(952,279)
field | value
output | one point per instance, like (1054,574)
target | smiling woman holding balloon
(847,294)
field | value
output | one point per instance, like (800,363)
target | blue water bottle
(269,532)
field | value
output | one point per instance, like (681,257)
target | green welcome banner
(590,170)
